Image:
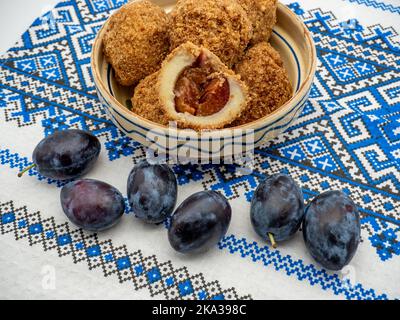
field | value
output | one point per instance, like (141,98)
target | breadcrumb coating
(269,88)
(136,41)
(146,101)
(222,26)
(262,15)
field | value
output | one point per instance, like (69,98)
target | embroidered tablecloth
(347,138)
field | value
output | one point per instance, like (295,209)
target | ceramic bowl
(293,41)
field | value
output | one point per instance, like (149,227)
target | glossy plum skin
(331,229)
(91,204)
(277,207)
(200,222)
(152,191)
(66,154)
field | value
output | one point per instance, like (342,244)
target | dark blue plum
(152,191)
(331,229)
(66,154)
(200,222)
(91,204)
(277,208)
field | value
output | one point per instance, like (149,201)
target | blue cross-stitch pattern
(378,5)
(348,136)
(297,268)
(160,278)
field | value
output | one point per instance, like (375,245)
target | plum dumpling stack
(218,68)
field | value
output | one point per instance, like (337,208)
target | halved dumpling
(198,91)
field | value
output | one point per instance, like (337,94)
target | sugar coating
(136,41)
(222,26)
(263,72)
(262,15)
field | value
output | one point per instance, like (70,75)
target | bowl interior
(290,38)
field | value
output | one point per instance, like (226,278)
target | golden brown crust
(268,82)
(136,41)
(222,26)
(146,102)
(262,14)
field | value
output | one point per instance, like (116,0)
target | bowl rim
(274,116)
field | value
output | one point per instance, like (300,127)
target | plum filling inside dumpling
(198,91)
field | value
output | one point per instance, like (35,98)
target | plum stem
(271,238)
(26,169)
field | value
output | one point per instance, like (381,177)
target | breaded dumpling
(194,89)
(136,41)
(222,26)
(262,15)
(269,88)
